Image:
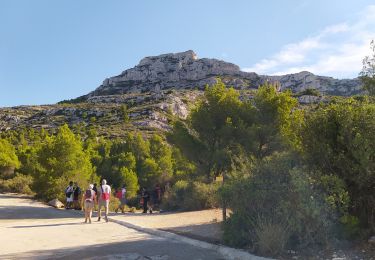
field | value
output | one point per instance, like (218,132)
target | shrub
(283,195)
(271,236)
(114,203)
(186,195)
(19,184)
(310,92)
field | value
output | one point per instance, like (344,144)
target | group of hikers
(91,197)
(101,195)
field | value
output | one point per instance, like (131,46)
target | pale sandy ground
(204,224)
(32,230)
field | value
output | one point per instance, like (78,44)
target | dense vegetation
(291,176)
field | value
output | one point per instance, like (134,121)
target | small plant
(309,92)
(271,236)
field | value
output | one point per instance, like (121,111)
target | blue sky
(55,50)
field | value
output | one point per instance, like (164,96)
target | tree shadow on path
(32,212)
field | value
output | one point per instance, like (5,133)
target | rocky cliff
(185,71)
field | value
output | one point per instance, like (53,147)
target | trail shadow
(147,248)
(210,232)
(15,196)
(50,225)
(32,212)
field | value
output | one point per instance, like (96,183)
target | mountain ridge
(184,70)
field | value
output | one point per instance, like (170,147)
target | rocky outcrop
(301,81)
(185,71)
(175,70)
(56,203)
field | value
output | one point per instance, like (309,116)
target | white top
(69,189)
(106,189)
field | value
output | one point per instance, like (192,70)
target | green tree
(124,113)
(273,114)
(8,158)
(338,139)
(216,120)
(61,159)
(130,179)
(367,74)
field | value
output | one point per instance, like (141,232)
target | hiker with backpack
(104,193)
(69,195)
(87,203)
(76,193)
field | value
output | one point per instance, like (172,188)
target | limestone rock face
(185,71)
(56,203)
(175,70)
(306,80)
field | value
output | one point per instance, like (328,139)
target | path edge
(227,252)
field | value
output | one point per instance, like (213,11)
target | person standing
(121,195)
(88,201)
(146,197)
(104,194)
(76,193)
(69,195)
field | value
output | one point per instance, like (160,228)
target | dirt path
(203,225)
(34,231)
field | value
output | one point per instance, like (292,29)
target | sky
(62,49)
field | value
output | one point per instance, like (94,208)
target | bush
(114,203)
(19,184)
(283,195)
(271,236)
(186,195)
(310,92)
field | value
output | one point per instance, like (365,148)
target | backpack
(68,193)
(105,196)
(88,195)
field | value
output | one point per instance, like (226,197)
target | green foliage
(61,159)
(271,236)
(18,184)
(273,119)
(8,157)
(216,120)
(124,113)
(191,196)
(367,75)
(92,119)
(309,92)
(351,227)
(338,140)
(280,193)
(130,179)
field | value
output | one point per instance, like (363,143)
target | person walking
(104,194)
(69,195)
(95,189)
(121,195)
(87,202)
(146,197)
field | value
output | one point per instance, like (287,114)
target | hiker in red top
(87,203)
(121,195)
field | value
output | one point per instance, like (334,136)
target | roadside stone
(56,203)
